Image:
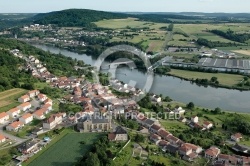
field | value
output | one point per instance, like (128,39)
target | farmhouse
(26,118)
(4,117)
(24,106)
(15,126)
(24,99)
(53,121)
(2,139)
(120,134)
(14,112)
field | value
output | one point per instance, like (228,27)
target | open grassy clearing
(244,52)
(172,125)
(67,150)
(224,79)
(8,99)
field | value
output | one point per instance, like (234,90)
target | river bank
(176,88)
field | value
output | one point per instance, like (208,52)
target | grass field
(67,150)
(244,52)
(224,79)
(172,125)
(8,99)
(146,36)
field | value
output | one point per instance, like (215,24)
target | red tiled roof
(26,116)
(212,151)
(14,109)
(2,137)
(207,123)
(156,127)
(237,135)
(16,124)
(25,97)
(3,115)
(163,133)
(25,104)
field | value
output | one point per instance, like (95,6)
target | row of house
(214,155)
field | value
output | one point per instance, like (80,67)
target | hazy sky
(39,6)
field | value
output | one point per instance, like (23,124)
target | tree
(92,160)
(214,79)
(139,138)
(190,105)
(217,110)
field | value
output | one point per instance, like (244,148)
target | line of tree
(211,44)
(231,35)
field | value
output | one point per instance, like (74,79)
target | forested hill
(85,17)
(76,17)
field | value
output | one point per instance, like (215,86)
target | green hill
(76,17)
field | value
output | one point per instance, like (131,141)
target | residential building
(42,97)
(163,134)
(207,125)
(24,106)
(232,160)
(170,149)
(2,138)
(195,119)
(212,152)
(195,149)
(26,118)
(154,138)
(33,93)
(15,126)
(185,150)
(4,117)
(28,147)
(154,128)
(179,110)
(53,121)
(240,148)
(24,98)
(40,114)
(48,107)
(162,143)
(120,134)
(173,140)
(14,112)
(236,137)
(48,101)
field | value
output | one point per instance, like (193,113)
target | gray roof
(100,120)
(149,122)
(225,63)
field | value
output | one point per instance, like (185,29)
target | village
(100,108)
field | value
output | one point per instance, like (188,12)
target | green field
(147,37)
(224,79)
(8,99)
(67,150)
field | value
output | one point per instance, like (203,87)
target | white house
(179,110)
(236,137)
(14,112)
(4,117)
(24,106)
(33,93)
(26,118)
(207,125)
(15,126)
(195,119)
(24,98)
(40,114)
(48,101)
(42,97)
(53,121)
(36,61)
(48,107)
(2,139)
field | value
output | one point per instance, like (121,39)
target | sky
(42,6)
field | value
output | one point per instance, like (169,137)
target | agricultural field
(224,79)
(8,98)
(152,39)
(67,150)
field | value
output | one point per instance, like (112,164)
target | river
(177,89)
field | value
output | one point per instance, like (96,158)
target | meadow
(67,150)
(8,98)
(224,79)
